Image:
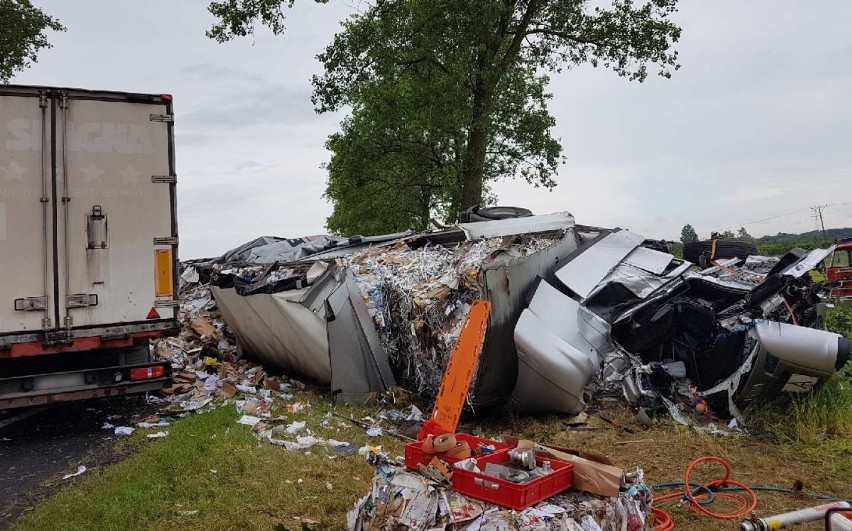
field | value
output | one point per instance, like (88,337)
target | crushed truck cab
(88,242)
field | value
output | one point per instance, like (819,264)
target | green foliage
(781,243)
(22,36)
(839,319)
(688,234)
(448,96)
(742,234)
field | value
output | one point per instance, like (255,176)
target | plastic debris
(80,470)
(249,420)
(158,435)
(124,430)
(295,427)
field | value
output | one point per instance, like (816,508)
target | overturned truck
(669,335)
(575,309)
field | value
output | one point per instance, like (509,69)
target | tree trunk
(473,170)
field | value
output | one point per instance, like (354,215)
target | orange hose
(666,522)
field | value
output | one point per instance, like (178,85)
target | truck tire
(692,252)
(477,213)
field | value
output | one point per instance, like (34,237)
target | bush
(839,319)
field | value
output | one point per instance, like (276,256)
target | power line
(817,210)
(738,225)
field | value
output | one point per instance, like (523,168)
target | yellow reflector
(163,279)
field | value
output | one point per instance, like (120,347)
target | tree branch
(517,40)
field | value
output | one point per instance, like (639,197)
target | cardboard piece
(228,389)
(272,384)
(593,473)
(201,325)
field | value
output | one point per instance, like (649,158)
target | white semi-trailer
(88,242)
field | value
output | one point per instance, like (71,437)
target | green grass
(255,486)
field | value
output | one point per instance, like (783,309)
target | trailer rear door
(118,257)
(27,299)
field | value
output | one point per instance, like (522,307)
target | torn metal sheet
(516,226)
(271,249)
(322,331)
(560,345)
(640,282)
(575,324)
(809,262)
(278,330)
(649,260)
(586,269)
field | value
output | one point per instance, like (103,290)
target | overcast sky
(757,123)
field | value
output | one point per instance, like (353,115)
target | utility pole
(817,210)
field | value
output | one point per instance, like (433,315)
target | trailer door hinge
(170,179)
(167,118)
(81,300)
(31,304)
(171,240)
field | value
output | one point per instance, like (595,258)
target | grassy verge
(212,473)
(169,483)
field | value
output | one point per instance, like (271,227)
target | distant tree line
(774,245)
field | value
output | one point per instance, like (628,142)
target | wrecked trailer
(574,309)
(669,337)
(388,309)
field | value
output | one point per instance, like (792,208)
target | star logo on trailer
(92,174)
(131,175)
(13,172)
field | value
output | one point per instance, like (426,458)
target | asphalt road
(37,451)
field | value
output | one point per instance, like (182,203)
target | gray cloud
(754,125)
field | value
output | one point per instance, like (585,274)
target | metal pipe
(66,199)
(794,517)
(42,103)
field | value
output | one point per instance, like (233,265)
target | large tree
(23,35)
(479,66)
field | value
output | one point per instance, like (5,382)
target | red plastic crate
(414,454)
(517,496)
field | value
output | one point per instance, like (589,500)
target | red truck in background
(88,243)
(839,270)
